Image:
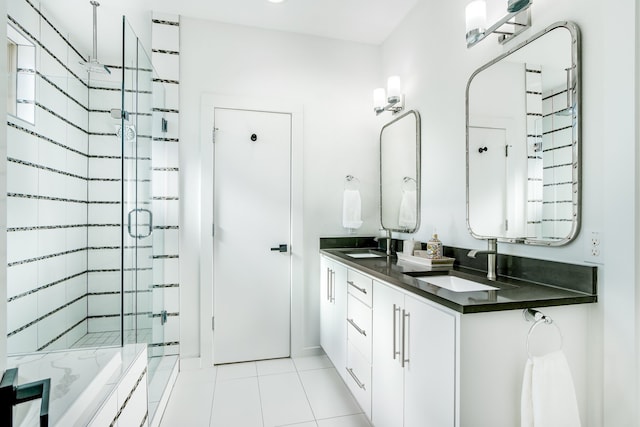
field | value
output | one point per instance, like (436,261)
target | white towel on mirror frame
(548,394)
(351,209)
(407,215)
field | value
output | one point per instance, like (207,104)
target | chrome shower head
(92,65)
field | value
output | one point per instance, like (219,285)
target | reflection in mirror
(21,70)
(400,173)
(523,138)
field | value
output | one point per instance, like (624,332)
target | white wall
(333,81)
(430,49)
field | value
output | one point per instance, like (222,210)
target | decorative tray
(440,262)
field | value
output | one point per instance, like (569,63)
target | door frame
(209,102)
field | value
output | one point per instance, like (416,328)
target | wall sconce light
(516,21)
(392,100)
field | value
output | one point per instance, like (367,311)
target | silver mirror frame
(418,177)
(577,161)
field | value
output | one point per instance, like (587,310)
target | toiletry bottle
(434,247)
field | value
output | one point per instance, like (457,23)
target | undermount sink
(364,255)
(456,284)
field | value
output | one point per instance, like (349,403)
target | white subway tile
(165,37)
(21,311)
(22,179)
(21,278)
(22,245)
(167,66)
(25,341)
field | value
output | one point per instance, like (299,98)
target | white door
(487,171)
(252,206)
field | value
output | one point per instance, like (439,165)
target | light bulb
(393,89)
(379,99)
(476,18)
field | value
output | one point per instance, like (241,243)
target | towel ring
(542,319)
(351,182)
(409,184)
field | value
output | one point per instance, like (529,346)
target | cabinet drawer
(359,326)
(360,286)
(358,378)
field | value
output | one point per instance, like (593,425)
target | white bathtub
(81,380)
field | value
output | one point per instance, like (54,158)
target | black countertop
(512,293)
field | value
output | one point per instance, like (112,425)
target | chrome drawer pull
(363,290)
(362,331)
(361,385)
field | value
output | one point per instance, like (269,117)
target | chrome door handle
(150,224)
(358,328)
(280,248)
(363,290)
(355,378)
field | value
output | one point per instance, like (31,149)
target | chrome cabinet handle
(358,328)
(363,290)
(328,279)
(395,326)
(355,378)
(332,287)
(403,358)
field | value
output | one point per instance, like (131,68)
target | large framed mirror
(400,173)
(523,141)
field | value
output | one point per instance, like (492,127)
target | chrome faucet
(492,257)
(388,242)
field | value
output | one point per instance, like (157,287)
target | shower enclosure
(84,222)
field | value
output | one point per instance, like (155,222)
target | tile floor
(100,339)
(298,392)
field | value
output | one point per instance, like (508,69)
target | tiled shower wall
(166,284)
(533,85)
(47,194)
(64,189)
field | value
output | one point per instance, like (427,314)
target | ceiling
(365,21)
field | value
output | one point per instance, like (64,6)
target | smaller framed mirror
(400,173)
(523,141)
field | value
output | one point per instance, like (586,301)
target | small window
(21,68)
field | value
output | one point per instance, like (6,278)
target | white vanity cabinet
(414,356)
(359,338)
(412,362)
(333,313)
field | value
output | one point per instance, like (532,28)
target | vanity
(417,354)
(435,346)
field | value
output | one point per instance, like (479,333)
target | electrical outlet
(593,247)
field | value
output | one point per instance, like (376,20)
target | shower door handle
(150,224)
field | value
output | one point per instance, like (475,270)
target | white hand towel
(408,209)
(548,394)
(351,209)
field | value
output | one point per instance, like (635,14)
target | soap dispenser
(434,247)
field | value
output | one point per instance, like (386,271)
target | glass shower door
(137,216)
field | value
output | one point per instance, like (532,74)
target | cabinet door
(429,378)
(326,306)
(339,314)
(388,374)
